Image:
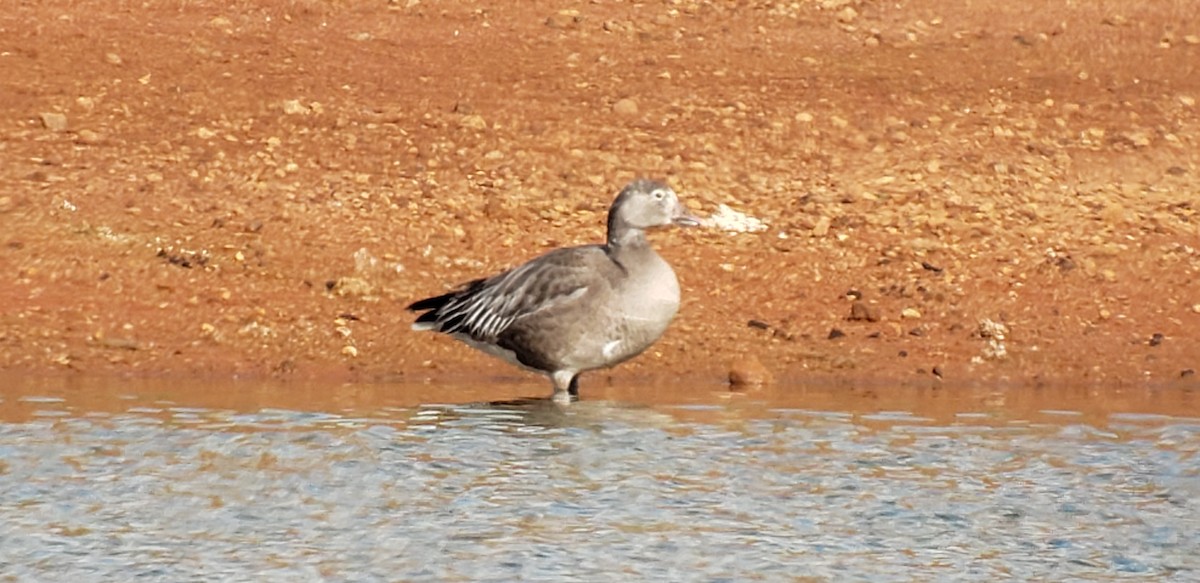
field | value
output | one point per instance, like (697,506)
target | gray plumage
(574,309)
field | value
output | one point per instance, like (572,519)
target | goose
(574,309)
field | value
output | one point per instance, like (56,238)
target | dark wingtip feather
(432,303)
(436,303)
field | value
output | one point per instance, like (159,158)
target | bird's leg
(566,385)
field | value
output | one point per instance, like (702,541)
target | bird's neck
(626,239)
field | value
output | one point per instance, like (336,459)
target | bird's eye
(658,195)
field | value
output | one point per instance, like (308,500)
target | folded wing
(484,308)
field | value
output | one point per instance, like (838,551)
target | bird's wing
(484,308)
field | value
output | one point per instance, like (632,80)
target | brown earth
(193,187)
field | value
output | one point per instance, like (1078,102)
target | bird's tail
(430,308)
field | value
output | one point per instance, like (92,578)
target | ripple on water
(598,491)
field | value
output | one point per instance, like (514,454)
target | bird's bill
(685,219)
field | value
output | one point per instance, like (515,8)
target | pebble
(861,311)
(727,219)
(910,313)
(748,371)
(626,107)
(294,107)
(822,227)
(55,122)
(564,19)
(473,122)
(351,286)
(88,137)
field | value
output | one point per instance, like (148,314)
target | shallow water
(154,480)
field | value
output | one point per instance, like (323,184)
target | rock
(625,107)
(295,107)
(910,314)
(473,122)
(113,59)
(351,286)
(861,311)
(835,333)
(822,227)
(55,122)
(1138,139)
(994,333)
(727,219)
(748,372)
(88,137)
(847,15)
(564,19)
(989,328)
(1156,339)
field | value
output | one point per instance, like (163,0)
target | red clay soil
(1010,191)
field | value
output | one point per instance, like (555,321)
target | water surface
(157,480)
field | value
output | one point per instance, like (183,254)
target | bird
(573,309)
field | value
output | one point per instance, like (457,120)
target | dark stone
(834,334)
(860,311)
(1156,339)
(184,260)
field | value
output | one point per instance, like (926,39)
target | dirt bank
(194,187)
